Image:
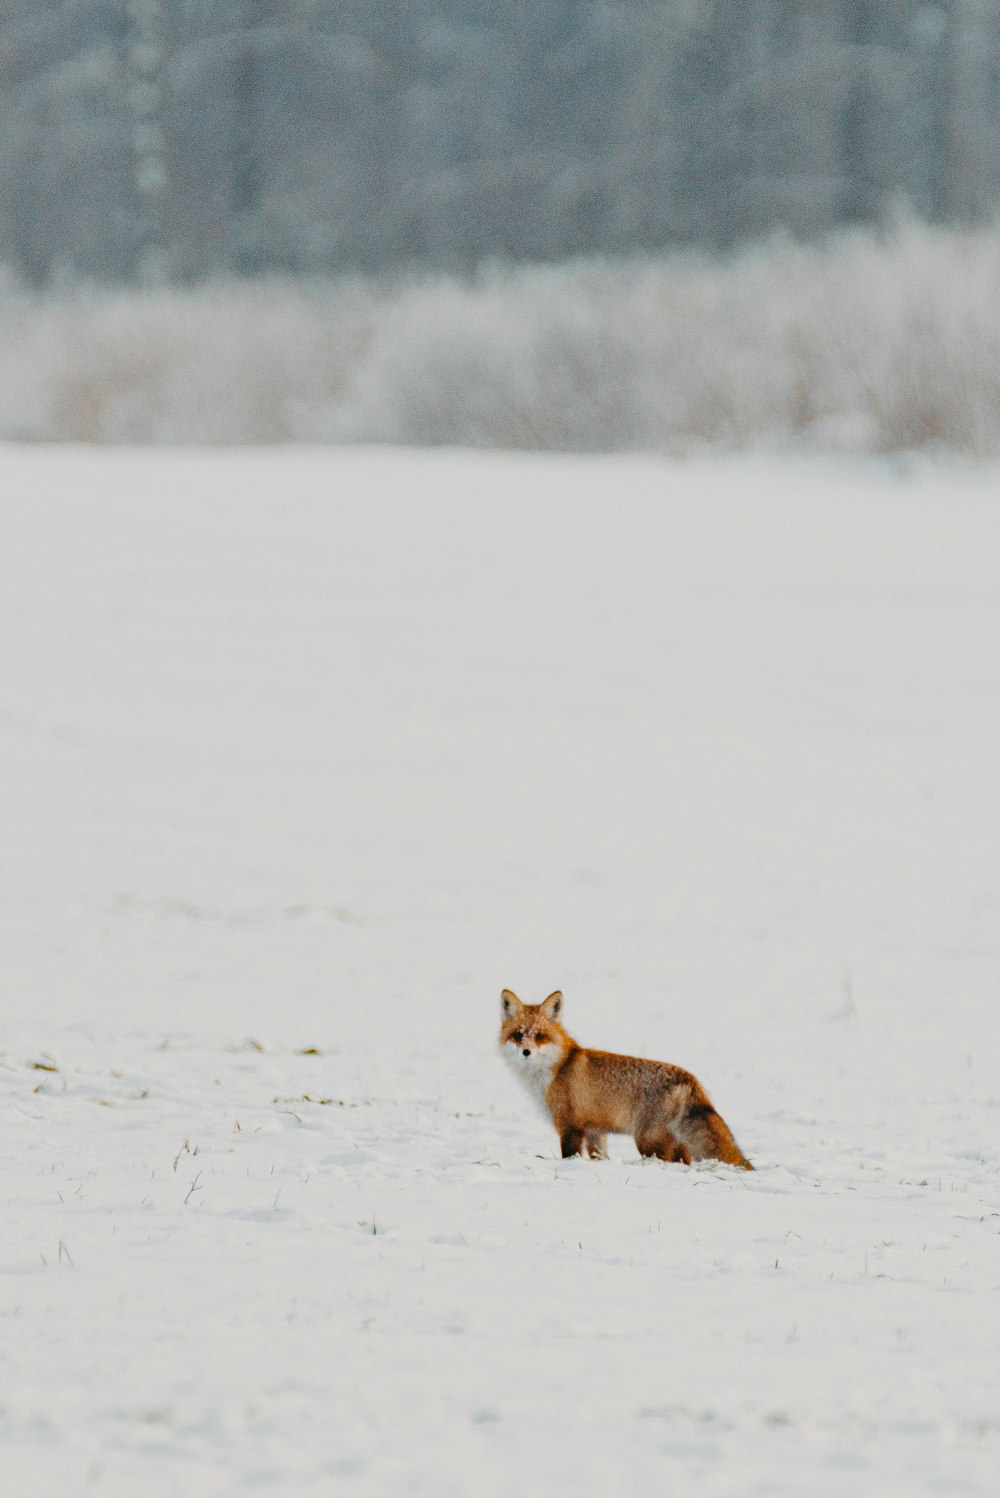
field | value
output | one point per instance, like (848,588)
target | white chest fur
(534,1071)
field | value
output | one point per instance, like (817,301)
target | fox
(591,1094)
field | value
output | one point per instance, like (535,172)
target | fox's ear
(509,1004)
(552,1005)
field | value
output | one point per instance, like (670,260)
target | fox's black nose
(526,1052)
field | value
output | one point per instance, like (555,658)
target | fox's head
(531,1038)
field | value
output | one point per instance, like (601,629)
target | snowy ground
(304,757)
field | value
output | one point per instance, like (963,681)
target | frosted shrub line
(870,343)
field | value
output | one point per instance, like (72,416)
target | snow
(305,756)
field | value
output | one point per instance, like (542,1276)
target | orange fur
(590,1094)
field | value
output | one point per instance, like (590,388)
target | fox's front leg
(571,1142)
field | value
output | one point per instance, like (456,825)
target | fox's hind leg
(571,1142)
(597,1144)
(652,1137)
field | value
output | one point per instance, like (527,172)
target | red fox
(591,1094)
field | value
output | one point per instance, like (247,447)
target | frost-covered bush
(866,342)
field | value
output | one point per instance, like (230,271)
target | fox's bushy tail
(708,1136)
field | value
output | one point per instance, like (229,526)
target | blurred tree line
(180,139)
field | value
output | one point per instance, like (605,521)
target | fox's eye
(517,1036)
(541,1040)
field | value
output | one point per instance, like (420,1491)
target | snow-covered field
(305,755)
